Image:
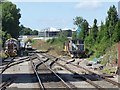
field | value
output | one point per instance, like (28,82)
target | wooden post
(118,71)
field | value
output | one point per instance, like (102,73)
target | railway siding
(81,63)
(23,74)
(101,82)
(69,75)
(48,77)
(82,83)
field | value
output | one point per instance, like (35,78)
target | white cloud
(88,4)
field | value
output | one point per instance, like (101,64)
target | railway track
(3,85)
(13,62)
(95,74)
(101,78)
(6,66)
(78,76)
(36,73)
(50,78)
(46,76)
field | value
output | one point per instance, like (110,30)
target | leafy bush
(34,41)
(99,39)
(29,40)
(5,36)
(57,40)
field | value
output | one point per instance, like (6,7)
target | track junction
(45,71)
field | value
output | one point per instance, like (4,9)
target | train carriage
(28,46)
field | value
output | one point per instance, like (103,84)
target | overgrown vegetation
(9,24)
(98,39)
(40,45)
(102,41)
(34,41)
(110,55)
(58,42)
(27,31)
(10,19)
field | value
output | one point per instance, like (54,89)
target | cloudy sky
(37,14)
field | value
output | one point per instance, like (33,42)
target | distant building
(119,9)
(49,33)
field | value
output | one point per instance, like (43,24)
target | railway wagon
(25,44)
(75,48)
(28,46)
(11,47)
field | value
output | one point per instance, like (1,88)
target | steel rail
(36,73)
(6,83)
(11,63)
(60,78)
(103,77)
(54,73)
(6,66)
(82,77)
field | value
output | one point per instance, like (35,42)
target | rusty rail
(103,77)
(36,73)
(82,77)
(6,83)
(55,74)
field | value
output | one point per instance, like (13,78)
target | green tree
(94,31)
(84,30)
(78,21)
(100,33)
(62,36)
(112,15)
(10,19)
(74,35)
(27,31)
(109,33)
(99,40)
(83,24)
(35,32)
(106,30)
(112,21)
(5,36)
(116,35)
(89,40)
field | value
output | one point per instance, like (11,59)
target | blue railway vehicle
(74,48)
